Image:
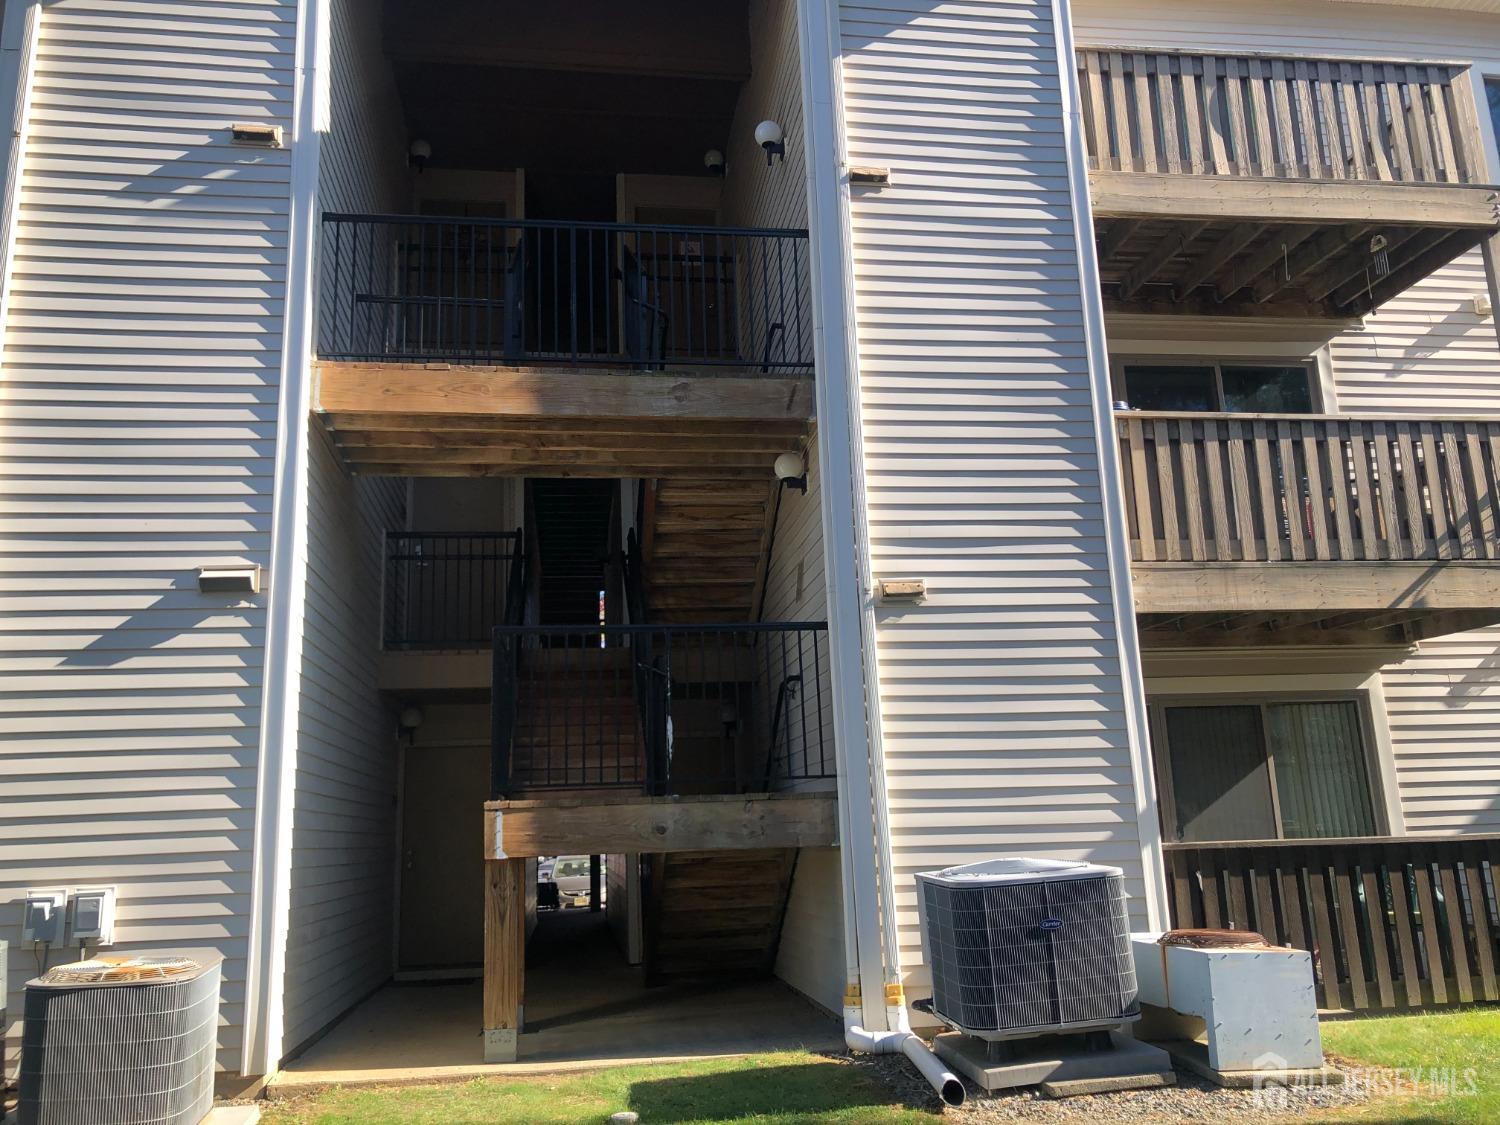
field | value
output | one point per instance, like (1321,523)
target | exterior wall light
(792,472)
(713,160)
(419,154)
(411,717)
(769,136)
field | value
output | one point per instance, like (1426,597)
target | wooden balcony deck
(1317,529)
(404,419)
(1271,186)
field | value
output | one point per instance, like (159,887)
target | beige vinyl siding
(339,937)
(1001,695)
(810,957)
(340,929)
(757,194)
(795,591)
(138,392)
(1424,353)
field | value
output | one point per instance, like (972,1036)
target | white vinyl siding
(138,397)
(339,939)
(1001,695)
(1425,353)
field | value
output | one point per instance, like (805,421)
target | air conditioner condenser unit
(1022,947)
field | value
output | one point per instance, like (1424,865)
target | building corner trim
(1117,547)
(846,540)
(287,575)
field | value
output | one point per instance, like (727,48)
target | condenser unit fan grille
(1049,954)
(116,1050)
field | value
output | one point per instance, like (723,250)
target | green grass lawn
(1418,1045)
(777,1089)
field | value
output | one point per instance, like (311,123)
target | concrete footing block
(1193,1056)
(1057,1060)
(500,1044)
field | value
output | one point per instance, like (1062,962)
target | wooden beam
(639,446)
(1309,256)
(1279,242)
(1202,303)
(571,426)
(1422,266)
(1216,257)
(626,823)
(1141,195)
(1314,631)
(561,467)
(1351,266)
(504,957)
(726,458)
(529,392)
(1167,248)
(1117,236)
(1326,586)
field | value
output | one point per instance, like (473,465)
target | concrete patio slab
(585,1009)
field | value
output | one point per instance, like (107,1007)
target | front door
(442,857)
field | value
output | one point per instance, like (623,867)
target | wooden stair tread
(717,913)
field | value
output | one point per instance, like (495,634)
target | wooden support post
(504,956)
(1490,248)
(594,869)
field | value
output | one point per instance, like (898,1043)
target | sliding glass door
(1265,770)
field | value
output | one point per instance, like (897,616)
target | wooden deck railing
(1394,922)
(1290,488)
(1280,118)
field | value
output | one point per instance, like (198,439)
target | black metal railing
(450,590)
(662,709)
(501,291)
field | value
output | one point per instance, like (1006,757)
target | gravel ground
(1193,1099)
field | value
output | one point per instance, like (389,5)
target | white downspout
(871,949)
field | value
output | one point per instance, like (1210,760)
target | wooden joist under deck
(1364,628)
(393,419)
(1327,586)
(633,823)
(1250,247)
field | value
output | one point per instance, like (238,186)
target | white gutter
(19,37)
(1117,549)
(270,902)
(873,996)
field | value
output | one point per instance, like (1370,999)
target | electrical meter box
(43,915)
(94,916)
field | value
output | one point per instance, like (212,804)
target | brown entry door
(442,857)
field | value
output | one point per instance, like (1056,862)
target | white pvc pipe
(947,1084)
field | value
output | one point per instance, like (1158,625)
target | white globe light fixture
(419,154)
(769,136)
(791,471)
(713,160)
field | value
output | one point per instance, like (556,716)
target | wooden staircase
(570,522)
(704,546)
(716,914)
(577,725)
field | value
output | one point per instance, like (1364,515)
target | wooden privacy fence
(1281,118)
(1392,922)
(1272,488)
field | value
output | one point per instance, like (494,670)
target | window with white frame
(1237,386)
(1263,768)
